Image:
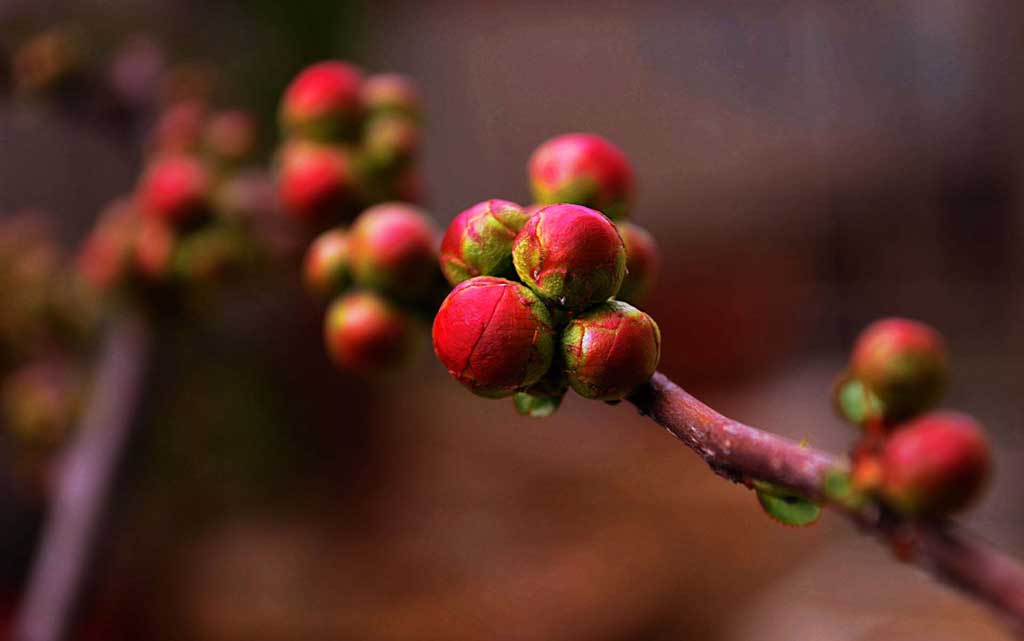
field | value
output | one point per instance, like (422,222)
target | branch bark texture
(59,575)
(741,453)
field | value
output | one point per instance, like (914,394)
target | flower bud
(391,93)
(179,129)
(154,249)
(583,169)
(174,190)
(315,181)
(326,267)
(389,142)
(935,465)
(103,261)
(903,362)
(41,402)
(367,334)
(494,336)
(46,61)
(641,263)
(210,254)
(323,102)
(231,137)
(571,255)
(478,241)
(393,250)
(610,350)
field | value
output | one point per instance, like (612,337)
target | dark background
(806,167)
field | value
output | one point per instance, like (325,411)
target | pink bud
(570,255)
(935,465)
(323,102)
(582,169)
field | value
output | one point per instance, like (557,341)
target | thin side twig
(58,577)
(742,453)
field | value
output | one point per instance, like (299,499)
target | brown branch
(59,575)
(742,453)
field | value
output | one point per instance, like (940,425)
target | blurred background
(806,167)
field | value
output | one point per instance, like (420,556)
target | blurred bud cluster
(47,322)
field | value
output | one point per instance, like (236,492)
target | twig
(742,453)
(58,578)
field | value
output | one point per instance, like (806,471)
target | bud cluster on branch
(351,142)
(534,309)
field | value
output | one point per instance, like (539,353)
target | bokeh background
(807,166)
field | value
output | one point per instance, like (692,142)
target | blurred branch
(69,542)
(742,453)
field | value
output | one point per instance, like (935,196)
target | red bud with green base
(583,169)
(326,268)
(175,191)
(494,336)
(610,350)
(641,263)
(315,182)
(393,250)
(571,256)
(366,333)
(903,363)
(478,241)
(935,465)
(323,102)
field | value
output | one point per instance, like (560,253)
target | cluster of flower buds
(382,276)
(918,462)
(534,308)
(196,211)
(45,327)
(350,141)
(61,66)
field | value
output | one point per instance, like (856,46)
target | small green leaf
(785,506)
(536,406)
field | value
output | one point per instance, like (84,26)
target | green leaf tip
(785,506)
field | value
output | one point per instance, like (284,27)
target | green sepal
(786,506)
(855,403)
(839,488)
(536,406)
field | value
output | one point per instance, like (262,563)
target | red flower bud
(583,169)
(391,93)
(393,249)
(641,263)
(323,102)
(174,190)
(478,241)
(571,255)
(326,267)
(231,136)
(935,465)
(154,249)
(366,333)
(104,258)
(610,350)
(315,181)
(494,336)
(903,362)
(179,129)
